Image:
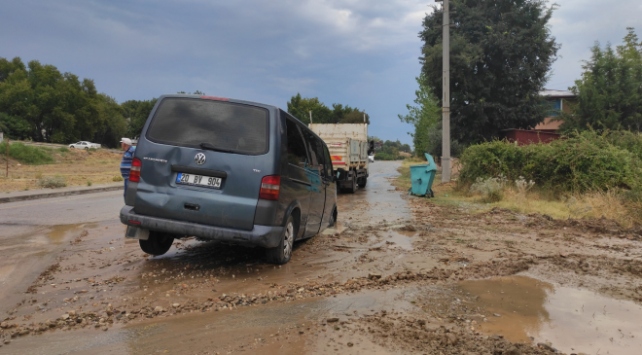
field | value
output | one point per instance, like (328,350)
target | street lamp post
(445,104)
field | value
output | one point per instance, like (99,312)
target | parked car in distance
(84,145)
(232,171)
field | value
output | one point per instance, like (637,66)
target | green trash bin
(422,177)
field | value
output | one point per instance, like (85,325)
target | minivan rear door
(203,160)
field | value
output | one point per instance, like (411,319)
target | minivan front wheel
(282,253)
(157,244)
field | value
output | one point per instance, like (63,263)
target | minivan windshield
(210,124)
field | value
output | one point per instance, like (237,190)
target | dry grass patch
(75,167)
(608,204)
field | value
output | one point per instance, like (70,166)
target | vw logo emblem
(199,158)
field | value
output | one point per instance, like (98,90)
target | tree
(609,94)
(136,113)
(425,116)
(501,51)
(114,124)
(38,102)
(300,108)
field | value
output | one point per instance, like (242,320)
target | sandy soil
(398,274)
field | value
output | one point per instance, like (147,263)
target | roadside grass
(67,167)
(26,154)
(612,204)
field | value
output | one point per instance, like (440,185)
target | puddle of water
(58,234)
(523,309)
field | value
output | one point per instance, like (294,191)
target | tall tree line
(39,103)
(301,108)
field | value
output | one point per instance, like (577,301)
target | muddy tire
(283,252)
(157,244)
(353,187)
(333,217)
(362,182)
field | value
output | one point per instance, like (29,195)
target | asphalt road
(32,232)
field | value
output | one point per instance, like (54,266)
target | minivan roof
(219,98)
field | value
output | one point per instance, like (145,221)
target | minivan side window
(316,150)
(296,153)
(328,161)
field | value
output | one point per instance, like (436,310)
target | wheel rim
(288,240)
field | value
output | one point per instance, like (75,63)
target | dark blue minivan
(228,170)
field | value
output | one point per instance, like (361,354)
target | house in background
(545,131)
(559,101)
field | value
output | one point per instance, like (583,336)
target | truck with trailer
(349,151)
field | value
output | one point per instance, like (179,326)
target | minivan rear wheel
(157,244)
(282,253)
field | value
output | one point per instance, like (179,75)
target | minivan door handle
(192,206)
(300,182)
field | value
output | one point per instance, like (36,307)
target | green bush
(27,154)
(491,189)
(628,140)
(52,182)
(581,162)
(387,156)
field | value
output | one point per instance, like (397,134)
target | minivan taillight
(134,173)
(270,187)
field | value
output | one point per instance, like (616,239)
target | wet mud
(398,274)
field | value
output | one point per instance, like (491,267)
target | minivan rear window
(225,126)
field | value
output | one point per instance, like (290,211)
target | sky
(360,53)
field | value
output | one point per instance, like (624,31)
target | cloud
(578,24)
(362,53)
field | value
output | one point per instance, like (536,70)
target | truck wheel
(363,182)
(283,252)
(157,244)
(353,188)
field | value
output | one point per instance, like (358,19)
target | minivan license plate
(198,180)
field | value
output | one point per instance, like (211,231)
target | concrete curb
(65,191)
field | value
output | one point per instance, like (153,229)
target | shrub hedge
(580,162)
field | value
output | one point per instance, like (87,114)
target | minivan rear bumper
(261,236)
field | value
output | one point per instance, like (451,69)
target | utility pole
(445,98)
(6,157)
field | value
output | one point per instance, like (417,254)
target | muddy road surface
(398,275)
